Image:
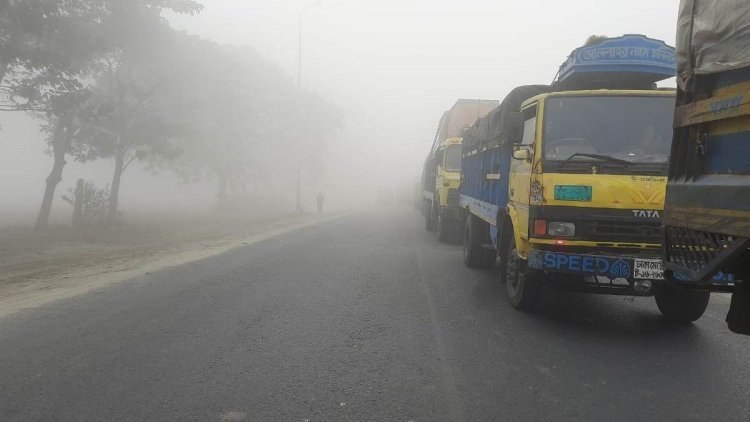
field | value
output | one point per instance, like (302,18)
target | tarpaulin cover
(716,32)
(491,129)
(463,114)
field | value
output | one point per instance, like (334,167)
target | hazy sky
(392,66)
(396,65)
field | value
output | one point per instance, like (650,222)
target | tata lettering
(646,214)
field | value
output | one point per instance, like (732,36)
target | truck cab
(587,184)
(441,204)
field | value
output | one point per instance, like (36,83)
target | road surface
(364,318)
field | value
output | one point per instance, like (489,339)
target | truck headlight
(557,228)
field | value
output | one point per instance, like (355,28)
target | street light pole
(299,44)
(299,187)
(299,86)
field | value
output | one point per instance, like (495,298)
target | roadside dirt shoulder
(81,274)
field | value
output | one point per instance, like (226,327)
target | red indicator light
(540,227)
(559,242)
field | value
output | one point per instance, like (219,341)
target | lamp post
(299,86)
(299,45)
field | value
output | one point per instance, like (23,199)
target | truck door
(520,172)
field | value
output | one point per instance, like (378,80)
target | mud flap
(738,318)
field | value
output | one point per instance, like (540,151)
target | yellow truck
(565,184)
(442,169)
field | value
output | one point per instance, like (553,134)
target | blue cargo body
(487,154)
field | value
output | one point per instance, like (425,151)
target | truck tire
(522,287)
(502,251)
(680,306)
(443,227)
(475,256)
(738,317)
(429,223)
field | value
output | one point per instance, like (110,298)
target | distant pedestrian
(319,200)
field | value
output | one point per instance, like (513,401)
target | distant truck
(442,168)
(566,183)
(707,210)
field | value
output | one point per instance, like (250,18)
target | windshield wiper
(598,157)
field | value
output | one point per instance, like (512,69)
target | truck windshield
(637,129)
(453,158)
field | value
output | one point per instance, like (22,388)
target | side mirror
(514,126)
(522,153)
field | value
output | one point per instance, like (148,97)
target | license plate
(648,269)
(573,193)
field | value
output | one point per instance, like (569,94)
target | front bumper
(630,268)
(702,260)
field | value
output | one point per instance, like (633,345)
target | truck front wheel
(680,306)
(429,222)
(443,226)
(523,288)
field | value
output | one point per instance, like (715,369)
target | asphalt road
(365,318)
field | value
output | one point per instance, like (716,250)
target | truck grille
(452,197)
(694,249)
(622,231)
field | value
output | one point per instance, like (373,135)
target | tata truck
(707,208)
(442,169)
(564,184)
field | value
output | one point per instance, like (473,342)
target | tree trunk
(78,204)
(53,179)
(221,196)
(60,147)
(115,188)
(3,68)
(4,60)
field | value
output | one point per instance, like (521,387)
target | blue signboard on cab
(636,54)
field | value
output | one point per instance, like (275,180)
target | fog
(389,67)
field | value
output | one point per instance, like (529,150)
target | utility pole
(299,45)
(299,86)
(299,187)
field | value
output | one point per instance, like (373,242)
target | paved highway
(364,318)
